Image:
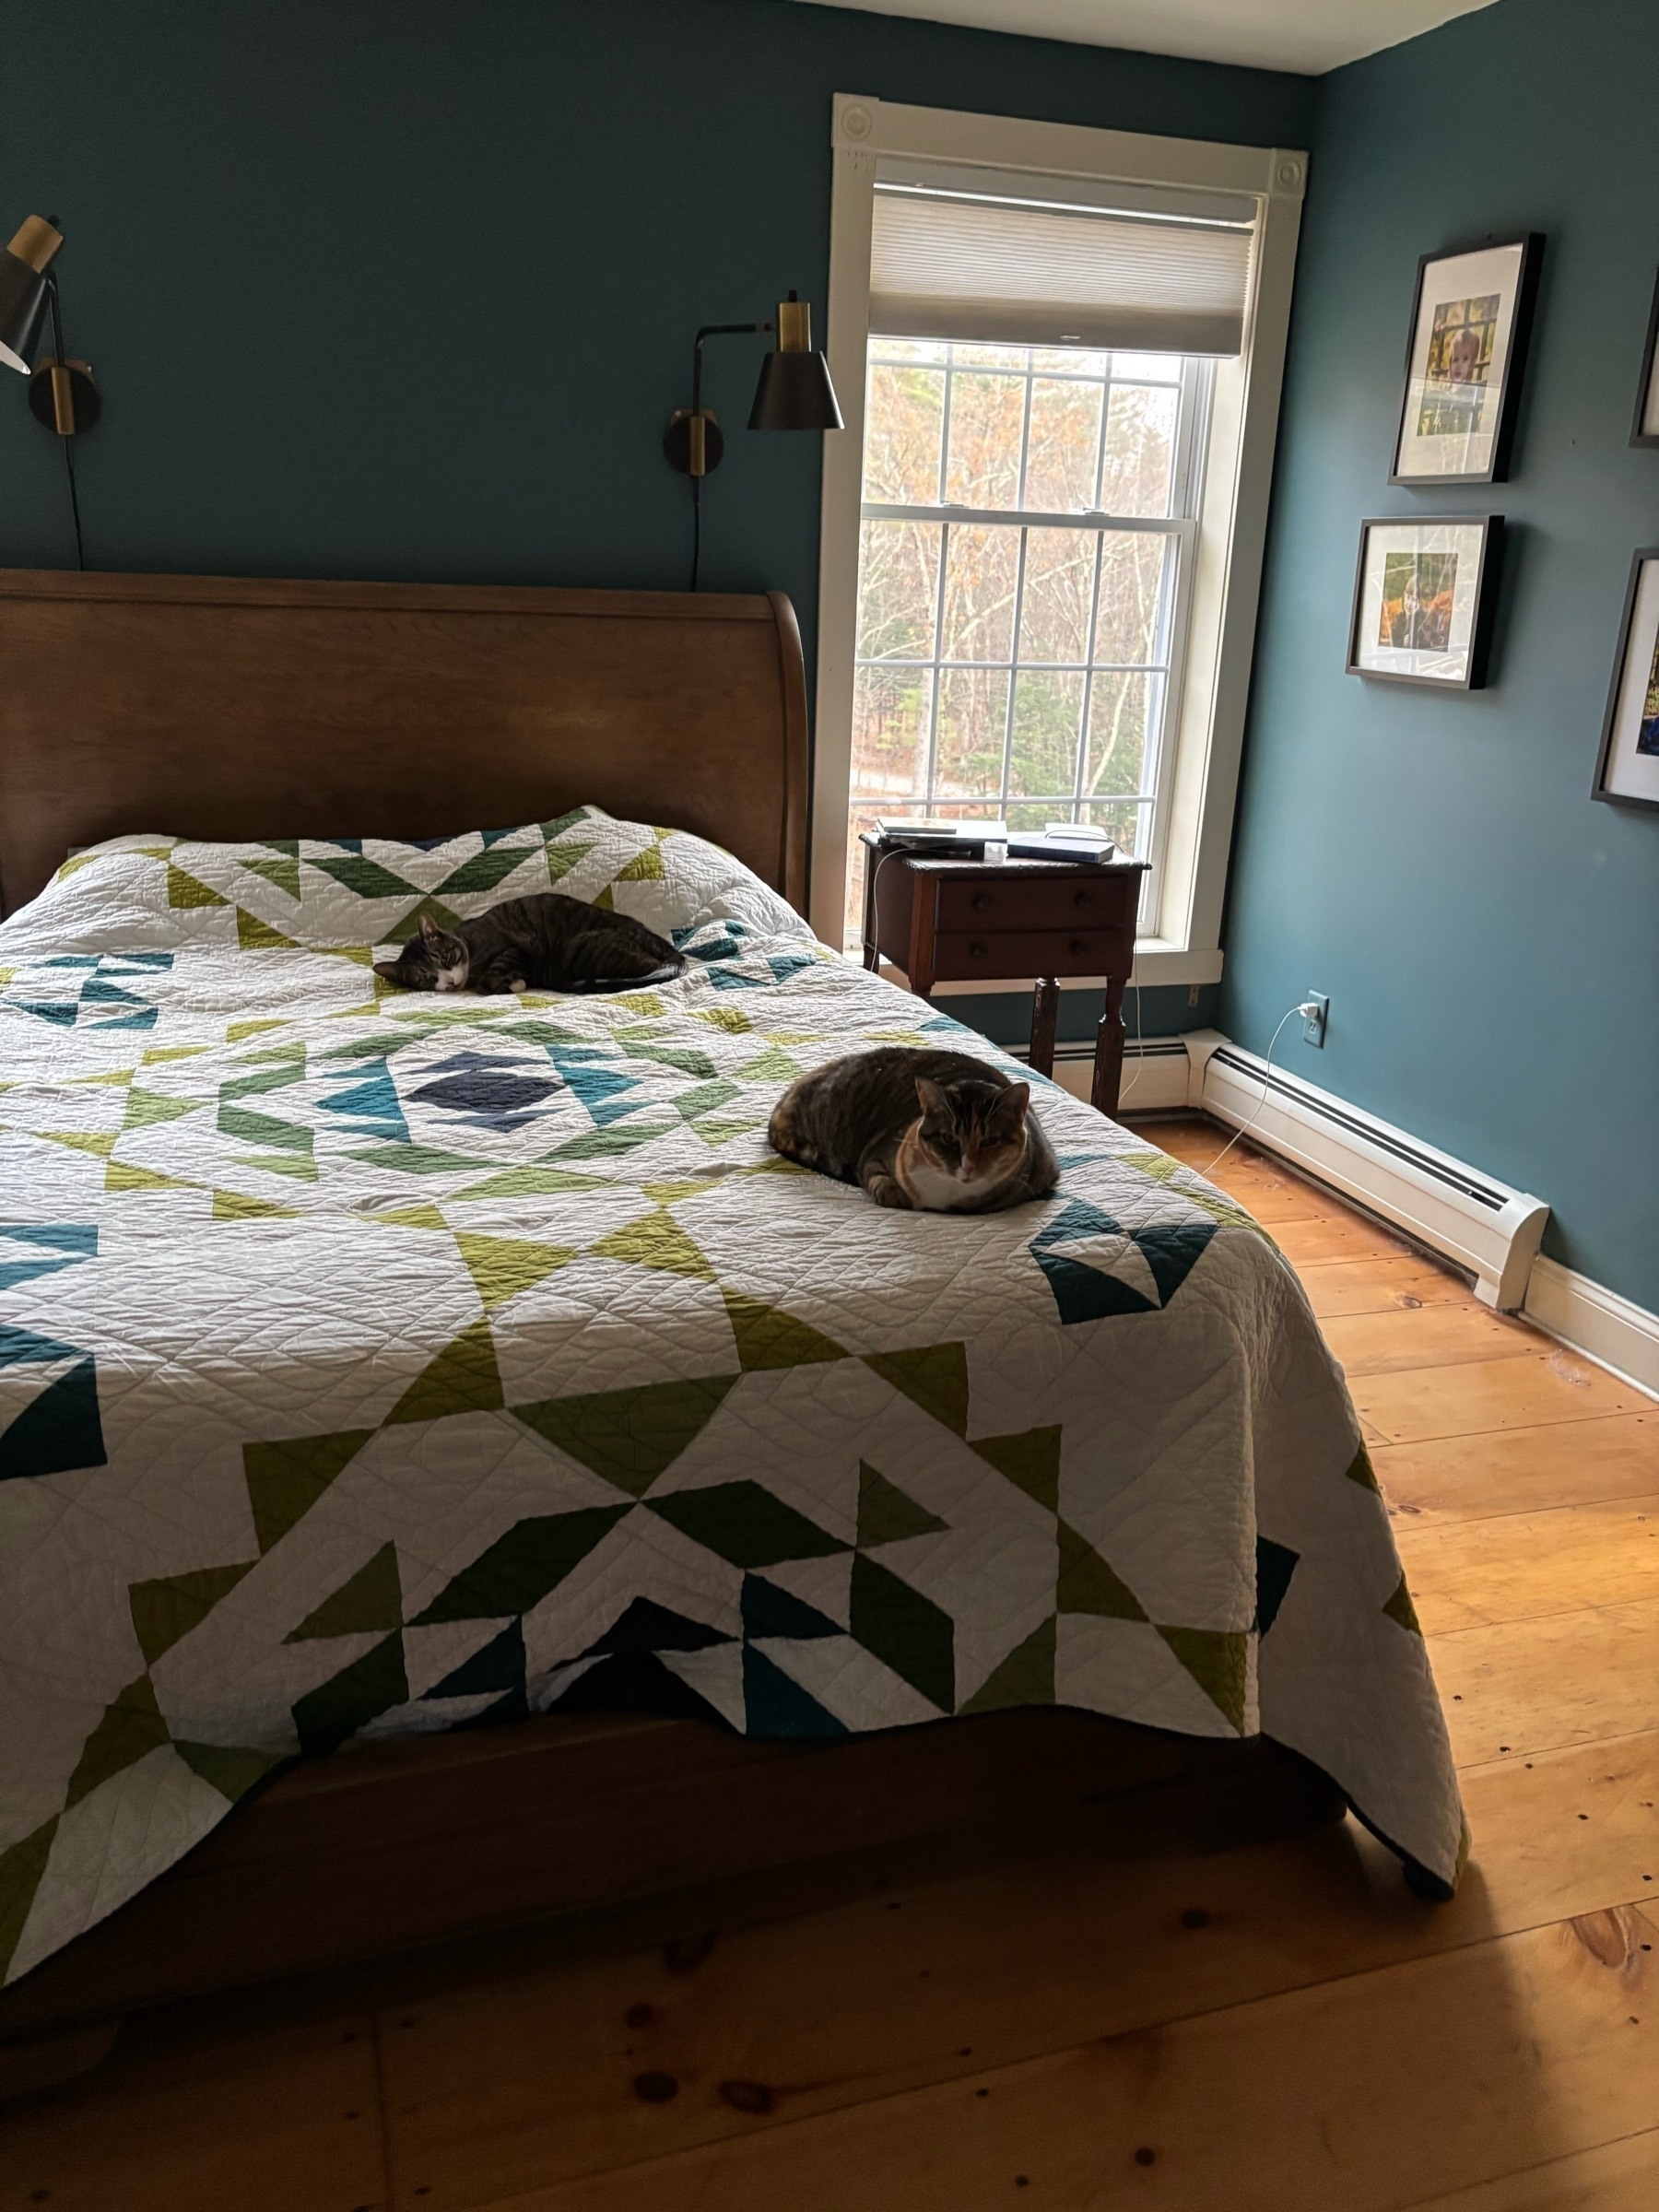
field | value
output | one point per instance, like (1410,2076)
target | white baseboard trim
(1443,1203)
(1613,1331)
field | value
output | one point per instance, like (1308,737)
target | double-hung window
(1042,543)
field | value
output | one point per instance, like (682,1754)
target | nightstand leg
(1108,1051)
(872,958)
(1045,1008)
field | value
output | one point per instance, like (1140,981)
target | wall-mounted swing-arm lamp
(794,394)
(62,394)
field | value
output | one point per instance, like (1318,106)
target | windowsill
(1156,961)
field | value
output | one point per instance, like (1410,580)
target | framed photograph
(1424,598)
(1628,770)
(1470,323)
(1644,430)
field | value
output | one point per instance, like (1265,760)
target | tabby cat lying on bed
(546,942)
(935,1130)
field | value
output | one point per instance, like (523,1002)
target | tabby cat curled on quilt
(546,942)
(938,1131)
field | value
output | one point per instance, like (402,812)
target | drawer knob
(1079,898)
(1080,946)
(982,899)
(976,949)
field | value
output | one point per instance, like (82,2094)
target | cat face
(433,960)
(974,1133)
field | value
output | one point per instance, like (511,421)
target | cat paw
(886,1192)
(518,985)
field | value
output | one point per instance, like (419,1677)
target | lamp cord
(696,527)
(68,442)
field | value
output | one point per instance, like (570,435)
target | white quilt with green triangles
(373,1362)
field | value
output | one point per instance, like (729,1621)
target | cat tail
(665,974)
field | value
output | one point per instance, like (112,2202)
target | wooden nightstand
(953,921)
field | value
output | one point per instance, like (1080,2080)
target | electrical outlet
(1314,1027)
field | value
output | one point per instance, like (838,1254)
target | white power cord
(1136,1077)
(1307,1009)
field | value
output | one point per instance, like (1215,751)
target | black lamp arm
(716,330)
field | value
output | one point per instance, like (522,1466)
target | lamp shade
(794,392)
(23,289)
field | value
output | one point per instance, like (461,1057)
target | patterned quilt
(373,1362)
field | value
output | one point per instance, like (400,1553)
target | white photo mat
(1419,600)
(1630,768)
(1454,294)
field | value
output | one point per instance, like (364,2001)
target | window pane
(889,732)
(898,584)
(981,570)
(909,349)
(1147,368)
(973,721)
(989,357)
(1059,584)
(1127,826)
(1130,618)
(1070,360)
(1063,452)
(904,417)
(1047,707)
(982,467)
(1140,449)
(1118,710)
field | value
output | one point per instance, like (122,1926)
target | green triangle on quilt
(604,901)
(326,1717)
(904,1629)
(286,1478)
(646,866)
(502,1267)
(116,1077)
(463,1378)
(254,936)
(301,1168)
(1219,1661)
(657,1241)
(706,1098)
(263,1129)
(717,1133)
(724,1017)
(745,1524)
(101,1143)
(517,1570)
(600,1144)
(130,1729)
(421,1159)
(166,1608)
(230,1768)
(530,1183)
(1085,1583)
(288,846)
(1030,1460)
(409,925)
(184,889)
(121,1175)
(22,1865)
(235,1032)
(362,874)
(766,1336)
(407,1217)
(236,1206)
(561,859)
(1401,1609)
(773,1065)
(1024,1677)
(934,1377)
(369,1599)
(144,1106)
(628,1437)
(886,1516)
(290,1068)
(1360,1470)
(484,870)
(283,872)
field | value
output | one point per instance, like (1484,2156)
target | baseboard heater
(1484,1226)
(1157,1072)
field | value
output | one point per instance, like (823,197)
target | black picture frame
(1530,245)
(1474,678)
(1609,732)
(1647,395)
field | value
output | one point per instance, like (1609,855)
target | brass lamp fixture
(794,394)
(62,394)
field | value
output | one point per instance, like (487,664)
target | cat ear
(1011,1107)
(933,1099)
(429,929)
(389,972)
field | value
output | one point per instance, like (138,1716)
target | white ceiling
(1309,35)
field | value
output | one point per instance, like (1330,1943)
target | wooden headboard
(225,708)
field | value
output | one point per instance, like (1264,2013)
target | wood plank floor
(1275,2029)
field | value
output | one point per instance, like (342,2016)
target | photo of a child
(1460,361)
(1417,591)
(1647,735)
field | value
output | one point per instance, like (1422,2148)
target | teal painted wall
(1490,938)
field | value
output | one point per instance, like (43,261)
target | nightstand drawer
(958,953)
(1038,902)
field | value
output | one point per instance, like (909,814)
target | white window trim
(1209,737)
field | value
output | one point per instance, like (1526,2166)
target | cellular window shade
(993,272)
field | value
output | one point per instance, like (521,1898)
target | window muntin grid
(1044,693)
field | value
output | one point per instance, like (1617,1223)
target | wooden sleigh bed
(224,709)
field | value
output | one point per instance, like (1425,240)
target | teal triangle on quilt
(146,1020)
(600,1089)
(745,1524)
(1075,1222)
(785,964)
(47,1010)
(518,1569)
(374,1099)
(774,1704)
(904,1629)
(1088,1293)
(496,1668)
(326,1717)
(1172,1249)
(78,1238)
(96,991)
(1276,1563)
(24,1271)
(58,1431)
(768,1611)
